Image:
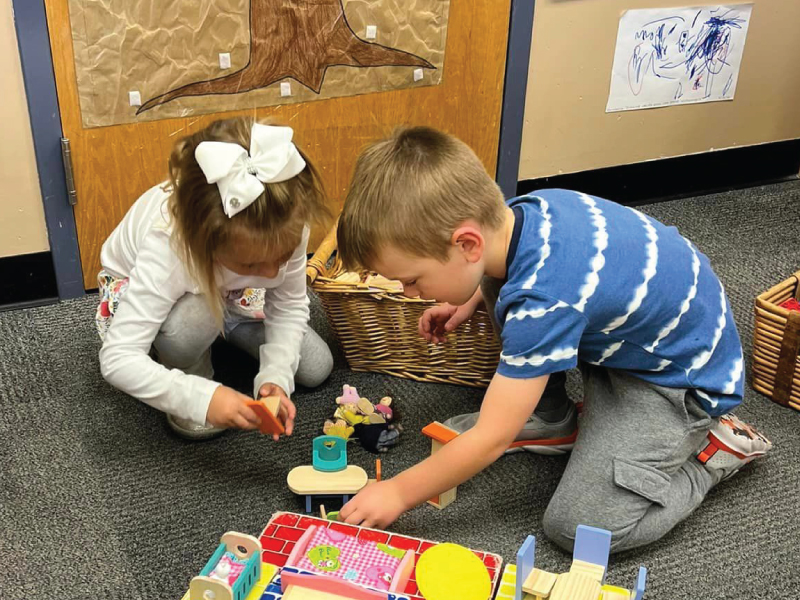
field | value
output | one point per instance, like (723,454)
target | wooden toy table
(308,482)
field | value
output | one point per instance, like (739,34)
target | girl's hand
(228,408)
(439,320)
(378,505)
(287,410)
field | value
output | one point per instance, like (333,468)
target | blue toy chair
(330,454)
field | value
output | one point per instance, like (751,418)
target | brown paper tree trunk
(298,39)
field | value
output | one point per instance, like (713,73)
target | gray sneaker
(537,436)
(192,431)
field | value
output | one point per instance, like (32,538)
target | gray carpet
(99,500)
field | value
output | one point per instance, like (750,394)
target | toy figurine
(339,429)
(378,437)
(369,423)
(349,395)
(385,407)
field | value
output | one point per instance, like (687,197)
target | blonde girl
(219,249)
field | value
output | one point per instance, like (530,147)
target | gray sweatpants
(184,342)
(632,470)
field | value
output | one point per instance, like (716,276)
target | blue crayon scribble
(692,55)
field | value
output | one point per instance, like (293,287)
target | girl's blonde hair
(200,226)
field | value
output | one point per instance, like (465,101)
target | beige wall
(22,228)
(567,129)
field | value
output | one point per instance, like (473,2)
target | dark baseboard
(671,178)
(27,280)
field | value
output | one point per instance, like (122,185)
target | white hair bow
(241,176)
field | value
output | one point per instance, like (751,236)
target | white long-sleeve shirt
(140,248)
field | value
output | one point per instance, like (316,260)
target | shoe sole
(554,447)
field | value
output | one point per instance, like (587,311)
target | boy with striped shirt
(570,280)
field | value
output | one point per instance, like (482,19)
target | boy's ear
(469,240)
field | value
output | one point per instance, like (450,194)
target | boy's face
(454,281)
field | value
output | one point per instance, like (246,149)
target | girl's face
(250,260)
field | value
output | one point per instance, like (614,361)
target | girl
(219,249)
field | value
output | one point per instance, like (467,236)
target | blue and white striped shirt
(595,281)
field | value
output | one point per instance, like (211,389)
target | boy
(571,279)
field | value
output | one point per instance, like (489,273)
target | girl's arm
(157,282)
(286,321)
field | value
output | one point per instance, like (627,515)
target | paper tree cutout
(298,39)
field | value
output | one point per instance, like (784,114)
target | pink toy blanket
(343,556)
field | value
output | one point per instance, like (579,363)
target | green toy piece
(325,558)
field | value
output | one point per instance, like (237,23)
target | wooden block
(437,431)
(539,583)
(611,592)
(575,586)
(306,480)
(596,572)
(444,499)
(267,411)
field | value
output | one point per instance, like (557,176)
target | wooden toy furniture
(267,411)
(329,474)
(208,586)
(307,481)
(330,453)
(584,581)
(440,435)
(280,535)
(337,562)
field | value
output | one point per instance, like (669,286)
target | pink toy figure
(379,577)
(349,395)
(384,407)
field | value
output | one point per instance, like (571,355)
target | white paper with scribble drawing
(667,56)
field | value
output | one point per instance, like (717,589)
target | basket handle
(317,263)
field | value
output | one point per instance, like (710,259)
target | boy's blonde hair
(412,191)
(200,226)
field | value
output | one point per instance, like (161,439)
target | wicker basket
(776,367)
(377,326)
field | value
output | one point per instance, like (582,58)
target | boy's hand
(287,411)
(439,320)
(378,505)
(228,408)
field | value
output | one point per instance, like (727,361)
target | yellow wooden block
(507,586)
(539,583)
(594,571)
(575,586)
(611,592)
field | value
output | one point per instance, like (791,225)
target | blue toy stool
(330,454)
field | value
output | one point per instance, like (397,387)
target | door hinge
(66,155)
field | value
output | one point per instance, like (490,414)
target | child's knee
(559,527)
(316,361)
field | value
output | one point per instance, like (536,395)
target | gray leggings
(632,470)
(184,342)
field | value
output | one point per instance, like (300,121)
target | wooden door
(114,165)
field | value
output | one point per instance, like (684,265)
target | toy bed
(231,571)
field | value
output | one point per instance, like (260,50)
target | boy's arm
(506,407)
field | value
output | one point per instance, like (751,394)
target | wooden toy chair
(330,453)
